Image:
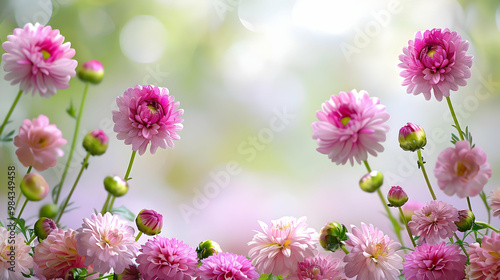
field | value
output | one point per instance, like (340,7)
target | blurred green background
(250,75)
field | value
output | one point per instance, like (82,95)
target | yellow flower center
(345,120)
(45,54)
(462,169)
(152,108)
(378,252)
(315,271)
(495,254)
(42,142)
(431,53)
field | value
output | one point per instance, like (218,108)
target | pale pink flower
(278,248)
(147,115)
(226,266)
(435,262)
(434,221)
(372,256)
(485,258)
(56,255)
(494,200)
(321,267)
(37,59)
(410,207)
(436,60)
(14,256)
(462,170)
(39,143)
(107,242)
(351,125)
(166,258)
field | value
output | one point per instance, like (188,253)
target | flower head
(39,143)
(373,255)
(14,253)
(321,267)
(43,227)
(494,200)
(227,266)
(332,235)
(412,137)
(278,248)
(434,262)
(147,115)
(372,181)
(34,187)
(207,248)
(436,60)
(485,258)
(149,222)
(115,185)
(434,221)
(106,242)
(91,71)
(397,197)
(466,220)
(37,59)
(462,170)
(166,258)
(409,209)
(95,142)
(351,125)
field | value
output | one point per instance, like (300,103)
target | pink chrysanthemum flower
(494,200)
(37,59)
(226,266)
(166,258)
(485,258)
(56,255)
(107,242)
(278,248)
(147,115)
(437,60)
(351,125)
(435,262)
(321,267)
(434,221)
(14,256)
(373,255)
(462,170)
(39,143)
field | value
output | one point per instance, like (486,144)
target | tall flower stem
(406,226)
(138,236)
(422,167)
(126,177)
(6,120)
(106,203)
(84,166)
(488,226)
(22,209)
(75,135)
(344,249)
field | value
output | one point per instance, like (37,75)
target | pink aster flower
(166,258)
(351,125)
(226,266)
(494,200)
(37,59)
(321,267)
(56,255)
(434,221)
(462,170)
(147,115)
(373,255)
(437,60)
(278,248)
(107,242)
(485,258)
(14,253)
(435,262)
(39,143)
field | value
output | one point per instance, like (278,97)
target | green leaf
(54,191)
(123,212)
(8,137)
(71,110)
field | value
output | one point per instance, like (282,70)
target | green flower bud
(115,185)
(332,235)
(465,220)
(371,181)
(49,210)
(91,71)
(207,248)
(149,222)
(43,227)
(95,142)
(412,137)
(34,187)
(397,197)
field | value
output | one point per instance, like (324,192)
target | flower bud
(149,222)
(91,71)
(207,248)
(34,187)
(43,227)
(371,181)
(412,137)
(129,273)
(465,220)
(49,210)
(409,209)
(397,196)
(332,235)
(96,142)
(115,185)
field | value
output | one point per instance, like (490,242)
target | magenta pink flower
(14,252)
(278,248)
(107,242)
(147,114)
(57,254)
(39,143)
(149,222)
(167,258)
(462,170)
(494,200)
(435,262)
(351,125)
(437,60)
(372,256)
(485,258)
(321,267)
(37,59)
(226,266)
(434,221)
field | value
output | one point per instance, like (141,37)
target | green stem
(460,243)
(344,249)
(129,168)
(406,226)
(84,166)
(31,240)
(22,208)
(468,204)
(6,120)
(485,201)
(29,170)
(75,135)
(422,167)
(488,226)
(457,125)
(367,166)
(105,206)
(138,236)
(110,207)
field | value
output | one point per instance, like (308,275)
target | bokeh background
(250,75)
